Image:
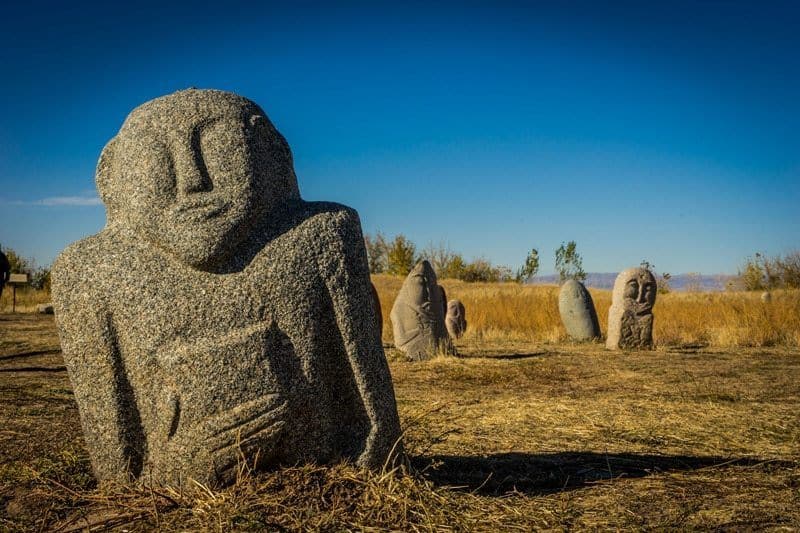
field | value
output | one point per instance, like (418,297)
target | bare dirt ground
(514,436)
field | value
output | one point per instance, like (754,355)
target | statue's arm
(346,272)
(95,370)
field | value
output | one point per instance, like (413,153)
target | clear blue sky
(665,132)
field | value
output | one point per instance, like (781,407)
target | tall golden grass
(510,312)
(529,313)
(27,299)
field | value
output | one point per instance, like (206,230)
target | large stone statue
(218,316)
(630,317)
(376,302)
(455,320)
(576,307)
(417,315)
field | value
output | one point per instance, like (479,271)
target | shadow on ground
(532,474)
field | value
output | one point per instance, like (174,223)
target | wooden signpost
(14,280)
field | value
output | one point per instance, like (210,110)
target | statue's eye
(218,144)
(632,289)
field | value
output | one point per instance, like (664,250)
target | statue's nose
(191,173)
(641,298)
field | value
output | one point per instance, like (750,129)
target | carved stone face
(191,172)
(635,289)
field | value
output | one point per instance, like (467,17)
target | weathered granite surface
(443,299)
(456,319)
(576,307)
(630,317)
(218,315)
(376,302)
(417,315)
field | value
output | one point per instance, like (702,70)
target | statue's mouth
(199,209)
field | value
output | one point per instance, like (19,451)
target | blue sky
(663,132)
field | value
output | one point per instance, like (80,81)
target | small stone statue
(417,315)
(630,317)
(218,317)
(576,307)
(455,320)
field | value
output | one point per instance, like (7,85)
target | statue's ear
(103,177)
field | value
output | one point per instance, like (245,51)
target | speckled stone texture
(456,319)
(417,315)
(376,302)
(218,315)
(576,307)
(443,298)
(630,317)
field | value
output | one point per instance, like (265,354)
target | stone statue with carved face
(218,316)
(418,315)
(630,317)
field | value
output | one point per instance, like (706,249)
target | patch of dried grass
(529,313)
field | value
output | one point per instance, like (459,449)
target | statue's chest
(168,310)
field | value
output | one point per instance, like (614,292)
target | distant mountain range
(678,282)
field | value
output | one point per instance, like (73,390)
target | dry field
(525,431)
(503,312)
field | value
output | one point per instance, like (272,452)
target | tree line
(398,256)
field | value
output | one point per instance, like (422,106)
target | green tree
(18,263)
(454,268)
(401,256)
(569,263)
(376,253)
(481,270)
(530,268)
(753,275)
(788,268)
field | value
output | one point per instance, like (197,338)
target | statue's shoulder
(83,260)
(329,217)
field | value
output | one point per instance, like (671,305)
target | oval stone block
(577,311)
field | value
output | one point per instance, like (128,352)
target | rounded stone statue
(630,317)
(455,320)
(576,307)
(417,315)
(218,316)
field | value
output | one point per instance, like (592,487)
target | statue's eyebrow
(208,121)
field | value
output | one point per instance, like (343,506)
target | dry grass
(507,312)
(514,436)
(27,299)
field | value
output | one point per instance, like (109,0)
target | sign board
(18,278)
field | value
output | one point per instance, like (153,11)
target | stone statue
(443,296)
(417,317)
(576,307)
(5,271)
(376,301)
(630,317)
(455,320)
(218,316)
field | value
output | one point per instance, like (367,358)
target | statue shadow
(540,474)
